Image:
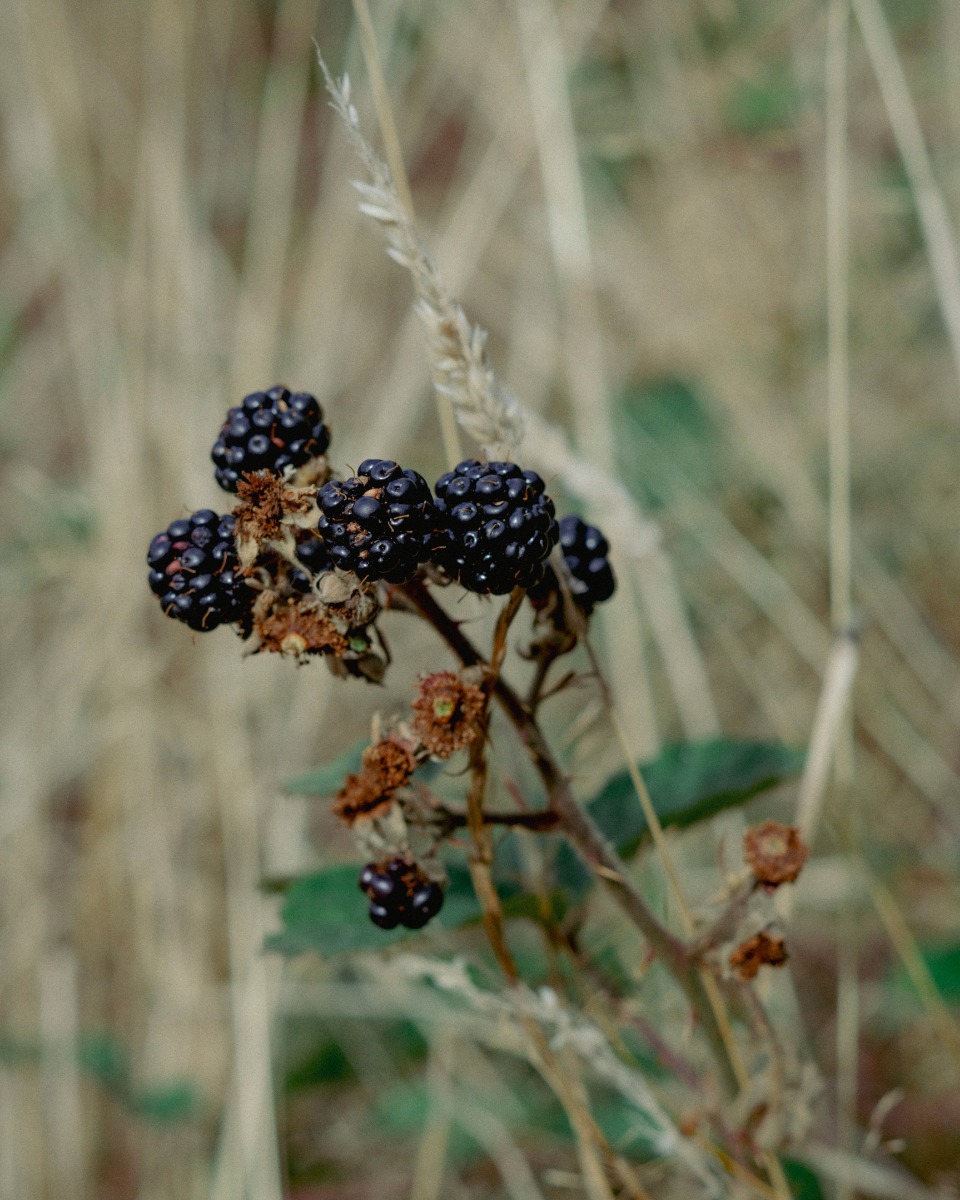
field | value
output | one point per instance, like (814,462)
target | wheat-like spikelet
(461,369)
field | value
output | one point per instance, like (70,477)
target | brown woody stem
(583,834)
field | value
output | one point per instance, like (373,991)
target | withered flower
(761,949)
(296,626)
(775,853)
(267,512)
(362,795)
(391,761)
(447,712)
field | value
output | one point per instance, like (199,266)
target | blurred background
(632,198)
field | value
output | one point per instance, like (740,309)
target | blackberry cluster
(380,523)
(400,894)
(195,572)
(269,431)
(497,526)
(591,577)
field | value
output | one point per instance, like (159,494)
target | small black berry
(379,524)
(423,906)
(497,526)
(269,431)
(590,575)
(386,918)
(195,571)
(313,554)
(400,894)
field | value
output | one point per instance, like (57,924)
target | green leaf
(767,103)
(944,964)
(665,436)
(178,1100)
(327,778)
(101,1056)
(689,782)
(804,1184)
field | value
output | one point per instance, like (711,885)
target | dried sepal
(775,853)
(269,511)
(391,760)
(361,795)
(447,712)
(757,951)
(295,626)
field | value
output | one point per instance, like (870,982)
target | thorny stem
(725,926)
(584,835)
(538,822)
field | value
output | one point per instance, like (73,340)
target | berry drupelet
(498,526)
(400,894)
(312,553)
(195,572)
(269,431)
(590,575)
(380,523)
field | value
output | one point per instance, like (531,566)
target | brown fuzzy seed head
(775,853)
(266,505)
(391,761)
(362,795)
(446,713)
(296,626)
(761,949)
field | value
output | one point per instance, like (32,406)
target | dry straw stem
(581,337)
(394,153)
(932,209)
(838,314)
(563,1028)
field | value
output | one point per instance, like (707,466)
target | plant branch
(481,860)
(583,834)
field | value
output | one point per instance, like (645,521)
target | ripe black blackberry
(590,575)
(312,553)
(380,523)
(400,894)
(269,431)
(195,572)
(497,526)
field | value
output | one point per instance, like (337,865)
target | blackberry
(497,526)
(312,553)
(400,894)
(269,431)
(590,575)
(380,523)
(195,572)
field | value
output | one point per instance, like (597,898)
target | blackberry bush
(497,527)
(195,572)
(269,431)
(380,523)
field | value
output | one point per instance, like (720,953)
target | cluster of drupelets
(306,562)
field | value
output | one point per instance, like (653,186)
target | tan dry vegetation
(178,228)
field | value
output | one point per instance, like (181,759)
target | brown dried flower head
(775,853)
(446,712)
(267,512)
(362,795)
(761,949)
(391,761)
(296,626)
